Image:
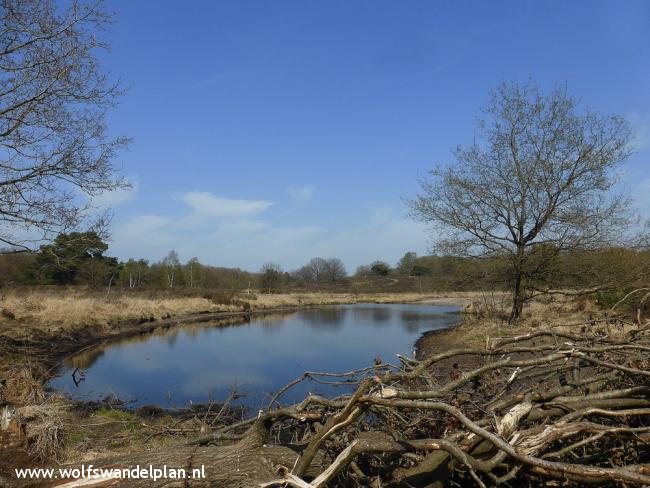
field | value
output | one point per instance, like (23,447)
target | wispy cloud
(206,203)
(384,235)
(112,199)
(241,238)
(641,124)
(302,193)
(144,224)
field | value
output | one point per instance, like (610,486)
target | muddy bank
(434,341)
(439,341)
(448,301)
(51,350)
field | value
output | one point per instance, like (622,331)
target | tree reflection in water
(195,362)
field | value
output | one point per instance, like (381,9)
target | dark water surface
(202,362)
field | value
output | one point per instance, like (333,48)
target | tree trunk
(230,466)
(248,463)
(518,296)
(517,300)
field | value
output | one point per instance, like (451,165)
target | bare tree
(136,271)
(192,268)
(363,270)
(334,270)
(172,266)
(539,181)
(314,271)
(53,99)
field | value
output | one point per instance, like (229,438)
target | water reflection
(86,358)
(272,323)
(324,318)
(198,362)
(416,320)
(373,315)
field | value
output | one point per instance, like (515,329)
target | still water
(202,362)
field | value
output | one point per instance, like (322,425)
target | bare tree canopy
(314,271)
(540,177)
(335,270)
(53,99)
(172,266)
(320,270)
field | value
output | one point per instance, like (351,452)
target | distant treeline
(79,259)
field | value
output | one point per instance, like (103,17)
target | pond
(252,357)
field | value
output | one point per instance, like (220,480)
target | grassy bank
(58,311)
(486,319)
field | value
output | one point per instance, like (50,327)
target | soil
(12,456)
(438,341)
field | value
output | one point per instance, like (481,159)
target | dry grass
(488,318)
(44,427)
(315,299)
(60,310)
(57,311)
(22,383)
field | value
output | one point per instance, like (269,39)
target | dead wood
(535,407)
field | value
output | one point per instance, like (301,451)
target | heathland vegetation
(80,261)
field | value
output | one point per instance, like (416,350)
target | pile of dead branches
(540,406)
(568,405)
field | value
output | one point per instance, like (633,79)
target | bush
(220,297)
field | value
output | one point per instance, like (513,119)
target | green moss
(12,358)
(117,445)
(76,437)
(129,419)
(133,426)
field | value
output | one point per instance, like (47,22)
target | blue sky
(282,130)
